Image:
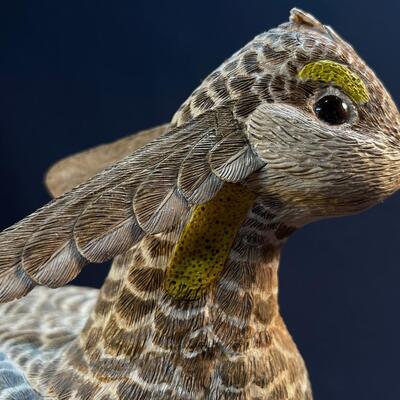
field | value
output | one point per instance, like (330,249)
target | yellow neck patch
(206,241)
(340,75)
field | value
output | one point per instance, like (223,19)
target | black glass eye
(332,110)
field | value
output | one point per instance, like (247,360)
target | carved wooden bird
(292,128)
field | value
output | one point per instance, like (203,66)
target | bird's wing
(13,383)
(146,192)
(71,171)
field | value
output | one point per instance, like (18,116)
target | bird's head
(315,113)
(295,115)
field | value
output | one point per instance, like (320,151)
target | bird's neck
(137,328)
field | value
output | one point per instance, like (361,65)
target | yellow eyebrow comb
(340,75)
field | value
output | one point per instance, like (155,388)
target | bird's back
(34,331)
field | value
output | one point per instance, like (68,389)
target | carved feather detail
(149,191)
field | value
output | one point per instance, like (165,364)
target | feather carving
(147,191)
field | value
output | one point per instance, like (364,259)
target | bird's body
(29,342)
(196,220)
(138,344)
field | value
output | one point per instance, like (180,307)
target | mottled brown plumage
(251,123)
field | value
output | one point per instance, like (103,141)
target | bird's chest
(142,343)
(269,369)
(204,356)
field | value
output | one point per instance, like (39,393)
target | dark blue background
(74,74)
